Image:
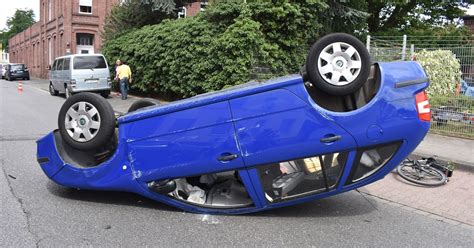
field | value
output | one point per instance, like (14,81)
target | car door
(290,149)
(189,142)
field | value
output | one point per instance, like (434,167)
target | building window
(85,39)
(182,12)
(50,10)
(85,6)
(204,5)
(50,50)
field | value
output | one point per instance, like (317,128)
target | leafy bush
(443,69)
(218,48)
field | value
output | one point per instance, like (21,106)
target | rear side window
(60,65)
(89,62)
(67,62)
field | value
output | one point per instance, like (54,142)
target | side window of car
(301,177)
(66,65)
(53,67)
(60,64)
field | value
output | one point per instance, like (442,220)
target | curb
(459,165)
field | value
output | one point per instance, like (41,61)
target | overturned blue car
(343,123)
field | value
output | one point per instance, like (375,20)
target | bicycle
(424,171)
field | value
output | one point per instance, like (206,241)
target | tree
(345,16)
(20,21)
(133,14)
(387,16)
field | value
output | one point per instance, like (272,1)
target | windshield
(89,62)
(17,67)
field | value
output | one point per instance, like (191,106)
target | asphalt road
(36,212)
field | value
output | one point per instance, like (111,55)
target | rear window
(89,62)
(17,67)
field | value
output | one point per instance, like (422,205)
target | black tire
(341,63)
(52,91)
(105,93)
(105,118)
(142,103)
(28,79)
(427,176)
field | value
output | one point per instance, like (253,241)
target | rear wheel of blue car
(338,64)
(86,121)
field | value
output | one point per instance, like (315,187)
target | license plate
(92,81)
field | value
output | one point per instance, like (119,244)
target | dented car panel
(262,145)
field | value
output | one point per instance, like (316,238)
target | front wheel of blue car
(338,64)
(86,121)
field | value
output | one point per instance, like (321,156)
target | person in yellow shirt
(124,75)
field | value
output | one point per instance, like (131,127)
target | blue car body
(259,123)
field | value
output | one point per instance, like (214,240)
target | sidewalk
(452,202)
(114,99)
(457,150)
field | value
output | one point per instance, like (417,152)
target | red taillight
(423,106)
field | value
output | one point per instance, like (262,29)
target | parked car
(2,70)
(16,71)
(340,125)
(79,73)
(468,118)
(444,114)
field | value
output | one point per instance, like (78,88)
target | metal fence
(451,115)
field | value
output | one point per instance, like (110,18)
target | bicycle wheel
(414,173)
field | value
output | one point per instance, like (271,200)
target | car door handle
(330,139)
(226,157)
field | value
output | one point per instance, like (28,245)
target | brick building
(469,22)
(192,9)
(65,26)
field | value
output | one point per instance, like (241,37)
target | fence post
(412,51)
(404,46)
(367,44)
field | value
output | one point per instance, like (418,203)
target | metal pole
(404,46)
(412,51)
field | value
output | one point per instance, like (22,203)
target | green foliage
(20,21)
(443,69)
(133,14)
(218,48)
(387,16)
(345,16)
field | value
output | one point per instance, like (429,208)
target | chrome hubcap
(339,64)
(82,121)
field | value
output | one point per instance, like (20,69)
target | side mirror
(49,67)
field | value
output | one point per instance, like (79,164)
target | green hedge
(443,69)
(218,48)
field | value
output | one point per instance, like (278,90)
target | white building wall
(4,58)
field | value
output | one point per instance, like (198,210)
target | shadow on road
(347,204)
(107,197)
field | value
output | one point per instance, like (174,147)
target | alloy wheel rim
(339,63)
(82,121)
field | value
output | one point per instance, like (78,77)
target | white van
(78,73)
